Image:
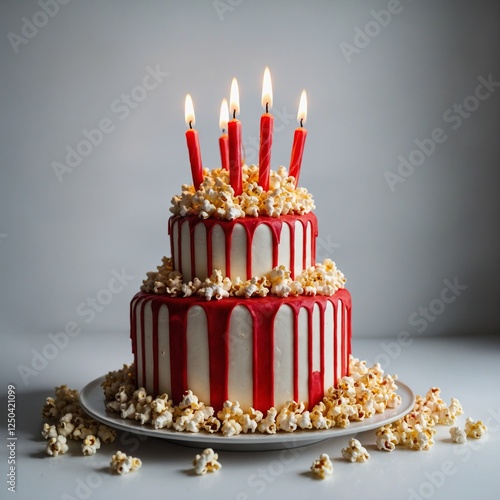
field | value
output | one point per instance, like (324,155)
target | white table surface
(468,369)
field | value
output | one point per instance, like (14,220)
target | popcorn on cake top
(215,196)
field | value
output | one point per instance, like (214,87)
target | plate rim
(300,437)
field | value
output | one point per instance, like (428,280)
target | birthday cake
(241,311)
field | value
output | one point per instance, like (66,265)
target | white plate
(92,401)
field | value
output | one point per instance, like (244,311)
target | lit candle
(299,139)
(193,144)
(234,136)
(266,132)
(223,139)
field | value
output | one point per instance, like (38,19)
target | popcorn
(473,429)
(123,464)
(90,445)
(49,431)
(249,420)
(206,462)
(416,429)
(386,440)
(56,446)
(458,435)
(215,196)
(356,397)
(106,434)
(268,424)
(322,467)
(355,452)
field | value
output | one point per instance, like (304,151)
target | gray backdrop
(402,154)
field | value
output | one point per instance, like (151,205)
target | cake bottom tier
(260,352)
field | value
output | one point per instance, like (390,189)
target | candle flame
(224,115)
(234,99)
(302,114)
(189,111)
(267,90)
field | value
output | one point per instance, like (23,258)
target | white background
(60,241)
(63,240)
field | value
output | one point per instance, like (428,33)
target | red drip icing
(296,357)
(218,313)
(250,224)
(218,347)
(133,330)
(263,355)
(143,344)
(178,352)
(155,310)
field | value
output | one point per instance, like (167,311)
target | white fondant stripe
(198,369)
(283,354)
(299,247)
(240,373)
(338,340)
(200,246)
(218,250)
(316,347)
(262,254)
(329,345)
(303,350)
(186,252)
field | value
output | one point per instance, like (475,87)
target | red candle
(234,136)
(193,144)
(299,139)
(223,139)
(266,132)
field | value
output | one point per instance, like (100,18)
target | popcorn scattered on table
(90,445)
(207,461)
(322,467)
(354,452)
(473,429)
(416,429)
(70,422)
(458,435)
(123,464)
(56,446)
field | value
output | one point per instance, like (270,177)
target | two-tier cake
(241,311)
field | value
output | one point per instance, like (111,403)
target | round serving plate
(92,401)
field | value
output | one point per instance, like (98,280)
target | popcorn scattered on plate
(366,392)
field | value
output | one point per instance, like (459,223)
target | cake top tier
(215,197)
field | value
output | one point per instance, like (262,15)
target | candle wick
(223,130)
(234,114)
(191,124)
(301,120)
(267,107)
